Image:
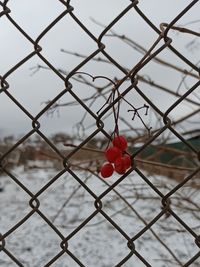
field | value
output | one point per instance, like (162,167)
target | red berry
(107,170)
(120,142)
(120,166)
(127,161)
(112,153)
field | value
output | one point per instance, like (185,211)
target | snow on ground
(67,205)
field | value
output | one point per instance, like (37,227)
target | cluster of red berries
(117,160)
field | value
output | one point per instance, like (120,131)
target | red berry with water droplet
(120,166)
(107,170)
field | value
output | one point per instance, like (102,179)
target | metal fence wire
(130,80)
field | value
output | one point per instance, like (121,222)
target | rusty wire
(132,76)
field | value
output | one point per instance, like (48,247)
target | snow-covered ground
(98,243)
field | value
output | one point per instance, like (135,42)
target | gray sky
(33,90)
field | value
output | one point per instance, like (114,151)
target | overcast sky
(33,90)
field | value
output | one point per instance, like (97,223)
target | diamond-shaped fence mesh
(148,213)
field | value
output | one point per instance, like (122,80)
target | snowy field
(98,244)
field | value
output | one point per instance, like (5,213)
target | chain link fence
(118,92)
